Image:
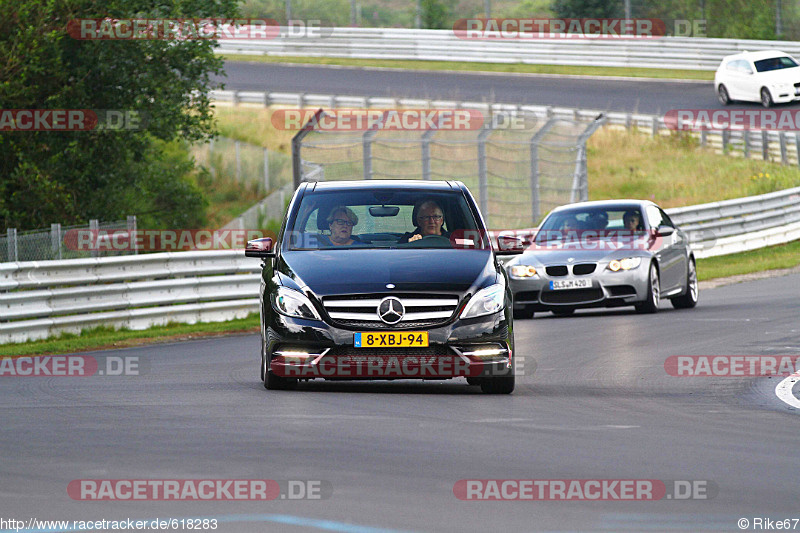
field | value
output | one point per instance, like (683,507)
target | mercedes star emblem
(391,310)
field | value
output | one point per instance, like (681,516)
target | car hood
(565,256)
(788,75)
(354,271)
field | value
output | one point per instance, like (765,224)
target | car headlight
(624,264)
(486,301)
(295,304)
(522,271)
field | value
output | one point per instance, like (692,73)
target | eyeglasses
(343,222)
(428,218)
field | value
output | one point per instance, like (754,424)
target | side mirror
(259,248)
(509,245)
(665,231)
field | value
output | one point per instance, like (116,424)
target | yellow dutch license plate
(391,339)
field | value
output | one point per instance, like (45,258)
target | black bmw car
(384,280)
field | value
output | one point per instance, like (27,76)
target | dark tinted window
(384,219)
(775,63)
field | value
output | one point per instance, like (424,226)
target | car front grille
(421,310)
(572,296)
(557,270)
(584,269)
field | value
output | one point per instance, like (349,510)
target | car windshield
(775,63)
(384,218)
(599,222)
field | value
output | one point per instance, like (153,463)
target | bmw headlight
(624,264)
(295,304)
(486,301)
(522,271)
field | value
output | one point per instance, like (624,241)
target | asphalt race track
(599,405)
(654,97)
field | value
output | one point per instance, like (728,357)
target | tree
(70,177)
(436,14)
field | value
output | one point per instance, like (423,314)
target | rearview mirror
(384,210)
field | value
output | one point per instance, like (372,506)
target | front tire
(650,305)
(689,299)
(722,94)
(766,98)
(500,385)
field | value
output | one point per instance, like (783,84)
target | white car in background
(769,76)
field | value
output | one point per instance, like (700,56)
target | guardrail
(691,53)
(39,299)
(741,224)
(777,146)
(129,291)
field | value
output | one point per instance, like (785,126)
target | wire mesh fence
(244,163)
(62,242)
(517,174)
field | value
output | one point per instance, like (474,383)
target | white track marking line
(784,390)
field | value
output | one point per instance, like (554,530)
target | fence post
(55,241)
(797,147)
(211,167)
(765,145)
(654,130)
(237,150)
(266,170)
(703,137)
(235,99)
(746,135)
(535,140)
(483,177)
(12,244)
(94,230)
(426,153)
(367,149)
(726,137)
(132,233)
(266,99)
(784,155)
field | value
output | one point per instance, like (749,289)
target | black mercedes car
(384,280)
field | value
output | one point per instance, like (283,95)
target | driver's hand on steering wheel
(415,238)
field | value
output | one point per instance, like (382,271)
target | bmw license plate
(391,339)
(570,284)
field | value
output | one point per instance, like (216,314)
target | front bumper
(607,289)
(311,349)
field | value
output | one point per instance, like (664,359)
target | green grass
(674,170)
(519,68)
(109,338)
(774,257)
